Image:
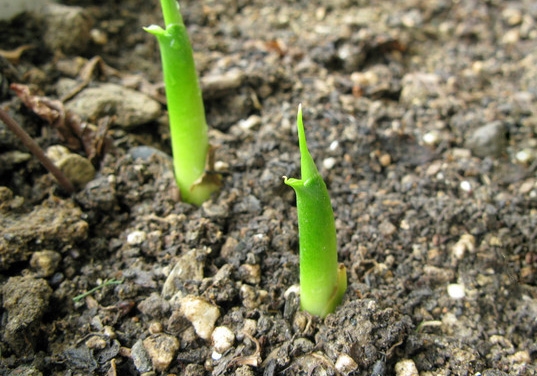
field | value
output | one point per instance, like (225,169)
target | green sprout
(188,128)
(322,281)
(107,282)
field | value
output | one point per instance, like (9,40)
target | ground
(421,116)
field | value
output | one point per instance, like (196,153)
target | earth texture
(422,119)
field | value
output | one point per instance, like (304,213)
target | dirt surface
(422,118)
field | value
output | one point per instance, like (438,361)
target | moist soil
(421,116)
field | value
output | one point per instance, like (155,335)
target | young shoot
(188,128)
(322,281)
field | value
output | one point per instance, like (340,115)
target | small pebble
(98,37)
(465,243)
(431,138)
(525,156)
(161,349)
(222,338)
(329,163)
(252,122)
(140,357)
(131,107)
(385,160)
(96,342)
(76,168)
(250,273)
(406,367)
(456,290)
(345,364)
(45,262)
(155,327)
(136,237)
(201,314)
(512,16)
(466,186)
(251,297)
(109,332)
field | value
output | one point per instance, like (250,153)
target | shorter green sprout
(188,128)
(322,281)
(108,282)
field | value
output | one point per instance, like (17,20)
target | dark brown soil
(422,118)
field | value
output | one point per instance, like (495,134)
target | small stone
(136,237)
(329,163)
(250,273)
(45,262)
(131,108)
(109,332)
(511,36)
(96,343)
(512,16)
(333,145)
(76,168)
(251,297)
(155,327)
(140,357)
(387,228)
(161,349)
(525,156)
(489,140)
(466,186)
(98,37)
(385,160)
(67,28)
(222,338)
(456,290)
(188,267)
(201,314)
(431,138)
(406,367)
(252,122)
(418,87)
(345,364)
(438,275)
(520,357)
(465,243)
(527,186)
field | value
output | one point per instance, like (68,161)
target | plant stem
(322,281)
(188,128)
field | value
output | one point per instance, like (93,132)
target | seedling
(107,282)
(322,281)
(188,128)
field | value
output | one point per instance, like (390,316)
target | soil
(422,118)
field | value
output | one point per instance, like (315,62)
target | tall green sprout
(322,281)
(188,128)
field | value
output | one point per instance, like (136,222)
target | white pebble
(456,290)
(136,237)
(334,145)
(345,364)
(466,186)
(250,123)
(465,243)
(201,314)
(431,138)
(525,156)
(406,367)
(328,163)
(222,338)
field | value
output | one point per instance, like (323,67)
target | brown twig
(36,150)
